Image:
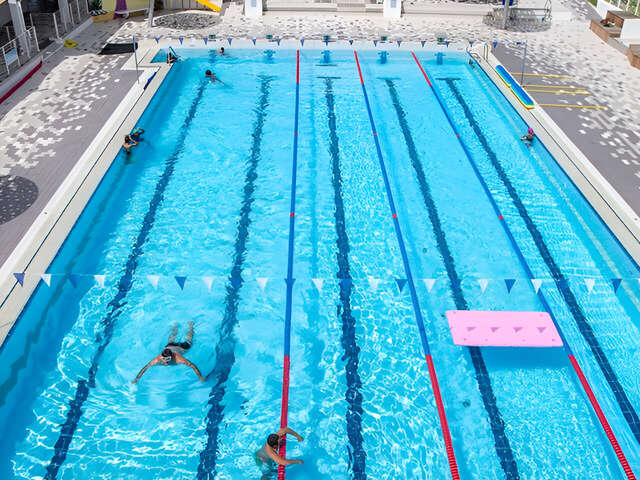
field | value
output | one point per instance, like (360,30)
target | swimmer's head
(127,138)
(221,49)
(208,73)
(530,131)
(167,355)
(273,440)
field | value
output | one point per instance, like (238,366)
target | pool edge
(614,211)
(42,241)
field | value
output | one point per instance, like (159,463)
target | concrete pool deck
(50,121)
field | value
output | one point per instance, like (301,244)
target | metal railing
(17,52)
(628,5)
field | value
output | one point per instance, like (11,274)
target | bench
(633,54)
(126,13)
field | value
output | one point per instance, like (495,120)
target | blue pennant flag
(73,279)
(399,42)
(350,41)
(495,43)
(401,283)
(302,42)
(615,283)
(157,39)
(471,42)
(345,282)
(422,43)
(447,43)
(205,40)
(181,281)
(19,278)
(229,40)
(181,40)
(375,43)
(253,40)
(278,41)
(509,282)
(236,282)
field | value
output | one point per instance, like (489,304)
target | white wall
(603,7)
(630,29)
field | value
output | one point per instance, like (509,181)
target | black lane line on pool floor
(118,301)
(349,345)
(502,445)
(225,348)
(561,282)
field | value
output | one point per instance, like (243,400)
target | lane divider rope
(453,466)
(284,410)
(583,380)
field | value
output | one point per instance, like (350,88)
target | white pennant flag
(100,280)
(537,283)
(590,283)
(46,278)
(483,282)
(373,283)
(429,282)
(318,282)
(208,281)
(153,280)
(262,282)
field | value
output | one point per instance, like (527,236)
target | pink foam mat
(503,329)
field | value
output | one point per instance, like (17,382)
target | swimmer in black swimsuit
(268,456)
(172,354)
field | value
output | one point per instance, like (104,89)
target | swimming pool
(195,225)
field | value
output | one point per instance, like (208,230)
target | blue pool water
(205,198)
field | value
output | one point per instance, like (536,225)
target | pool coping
(42,241)
(610,206)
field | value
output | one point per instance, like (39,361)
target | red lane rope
(453,465)
(444,426)
(603,420)
(284,409)
(576,367)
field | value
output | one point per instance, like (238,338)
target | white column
(19,28)
(253,8)
(65,16)
(392,8)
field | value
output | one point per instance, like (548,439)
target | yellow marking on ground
(560,92)
(593,107)
(541,85)
(550,75)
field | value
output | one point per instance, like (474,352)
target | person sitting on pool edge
(128,143)
(172,354)
(268,455)
(529,136)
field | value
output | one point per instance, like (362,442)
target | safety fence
(17,52)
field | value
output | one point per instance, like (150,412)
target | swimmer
(212,76)
(529,136)
(221,51)
(171,57)
(137,134)
(172,354)
(128,143)
(268,455)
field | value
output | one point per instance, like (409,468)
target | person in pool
(128,143)
(528,138)
(136,135)
(267,457)
(212,76)
(173,354)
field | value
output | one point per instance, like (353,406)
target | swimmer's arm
(144,369)
(180,359)
(278,459)
(287,430)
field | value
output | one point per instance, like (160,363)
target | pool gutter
(40,244)
(617,214)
